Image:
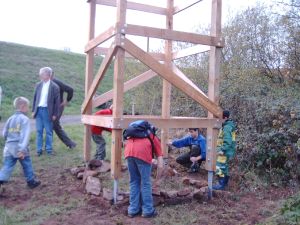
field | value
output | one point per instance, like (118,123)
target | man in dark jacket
(197,144)
(226,145)
(63,88)
(45,109)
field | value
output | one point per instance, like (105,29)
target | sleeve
(203,148)
(183,142)
(34,99)
(24,135)
(65,88)
(227,139)
(56,100)
(5,130)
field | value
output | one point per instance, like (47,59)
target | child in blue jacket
(197,153)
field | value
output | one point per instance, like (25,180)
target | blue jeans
(140,187)
(43,122)
(9,163)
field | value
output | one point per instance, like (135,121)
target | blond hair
(19,101)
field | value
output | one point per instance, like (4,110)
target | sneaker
(194,168)
(153,214)
(72,146)
(51,153)
(134,215)
(33,184)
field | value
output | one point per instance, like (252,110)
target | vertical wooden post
(89,70)
(213,86)
(116,145)
(166,96)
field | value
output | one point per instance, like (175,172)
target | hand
(32,115)
(169,143)
(21,155)
(194,159)
(64,103)
(53,118)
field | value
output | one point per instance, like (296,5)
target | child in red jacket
(97,135)
(138,153)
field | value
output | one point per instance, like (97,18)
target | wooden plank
(171,122)
(135,6)
(174,35)
(190,51)
(158,121)
(128,85)
(99,76)
(98,120)
(109,33)
(166,95)
(89,70)
(118,90)
(213,82)
(180,8)
(103,51)
(172,77)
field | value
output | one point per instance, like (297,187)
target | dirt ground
(61,199)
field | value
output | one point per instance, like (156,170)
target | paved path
(65,120)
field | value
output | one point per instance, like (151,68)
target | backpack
(140,129)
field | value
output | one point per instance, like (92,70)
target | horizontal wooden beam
(134,82)
(190,51)
(157,121)
(171,77)
(180,8)
(110,32)
(173,35)
(135,6)
(172,122)
(103,51)
(99,76)
(97,120)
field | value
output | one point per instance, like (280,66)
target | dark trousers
(184,159)
(61,134)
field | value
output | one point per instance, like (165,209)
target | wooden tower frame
(160,64)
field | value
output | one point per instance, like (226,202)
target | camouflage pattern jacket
(226,140)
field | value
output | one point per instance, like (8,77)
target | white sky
(57,24)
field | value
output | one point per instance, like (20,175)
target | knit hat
(226,113)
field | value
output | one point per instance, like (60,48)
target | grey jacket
(16,133)
(53,99)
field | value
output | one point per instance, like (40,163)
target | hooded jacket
(16,133)
(226,140)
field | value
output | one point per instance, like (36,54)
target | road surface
(65,120)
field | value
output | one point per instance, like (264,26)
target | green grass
(35,212)
(19,67)
(289,213)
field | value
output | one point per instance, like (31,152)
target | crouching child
(16,134)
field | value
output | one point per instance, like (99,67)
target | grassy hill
(19,68)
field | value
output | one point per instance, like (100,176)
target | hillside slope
(20,64)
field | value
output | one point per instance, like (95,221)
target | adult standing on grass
(45,109)
(63,88)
